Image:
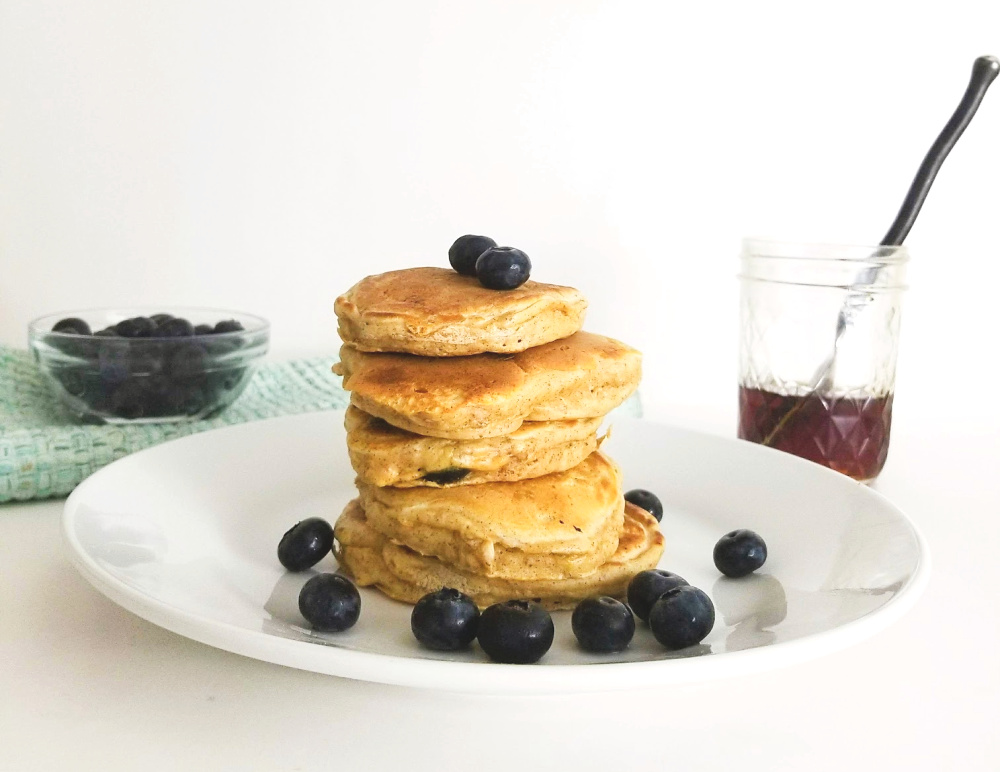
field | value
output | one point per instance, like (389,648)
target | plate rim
(328,658)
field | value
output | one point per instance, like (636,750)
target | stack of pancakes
(473,429)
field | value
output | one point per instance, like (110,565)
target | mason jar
(819,335)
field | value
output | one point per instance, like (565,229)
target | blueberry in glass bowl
(148,365)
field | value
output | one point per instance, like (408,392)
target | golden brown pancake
(487,395)
(385,455)
(407,576)
(439,313)
(562,524)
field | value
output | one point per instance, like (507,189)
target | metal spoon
(984,71)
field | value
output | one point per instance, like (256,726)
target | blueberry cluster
(330,603)
(158,366)
(498,268)
(678,614)
(516,632)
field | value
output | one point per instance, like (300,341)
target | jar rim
(776,249)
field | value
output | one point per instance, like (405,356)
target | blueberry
(174,328)
(682,617)
(503,268)
(305,544)
(603,625)
(220,382)
(144,358)
(330,603)
(228,325)
(517,632)
(466,251)
(107,332)
(73,380)
(159,319)
(447,476)
(739,553)
(113,361)
(136,327)
(97,393)
(647,586)
(446,620)
(72,326)
(185,399)
(645,500)
(157,388)
(187,361)
(129,400)
(203,329)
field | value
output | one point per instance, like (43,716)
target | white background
(265,156)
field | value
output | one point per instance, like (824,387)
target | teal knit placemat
(46,452)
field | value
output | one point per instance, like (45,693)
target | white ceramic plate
(184,535)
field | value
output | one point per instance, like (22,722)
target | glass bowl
(111,377)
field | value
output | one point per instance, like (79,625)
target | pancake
(437,312)
(407,576)
(488,395)
(562,524)
(384,455)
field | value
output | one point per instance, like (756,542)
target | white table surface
(86,685)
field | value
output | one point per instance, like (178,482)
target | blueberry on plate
(330,603)
(72,326)
(645,500)
(603,625)
(682,617)
(739,553)
(159,319)
(647,586)
(203,329)
(305,544)
(516,632)
(228,325)
(136,327)
(174,328)
(446,620)
(503,268)
(466,251)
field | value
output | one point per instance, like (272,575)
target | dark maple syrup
(846,433)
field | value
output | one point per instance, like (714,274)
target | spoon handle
(984,72)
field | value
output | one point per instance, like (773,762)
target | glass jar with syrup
(819,332)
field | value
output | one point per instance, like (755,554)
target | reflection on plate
(185,534)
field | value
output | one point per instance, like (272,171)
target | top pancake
(437,312)
(487,395)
